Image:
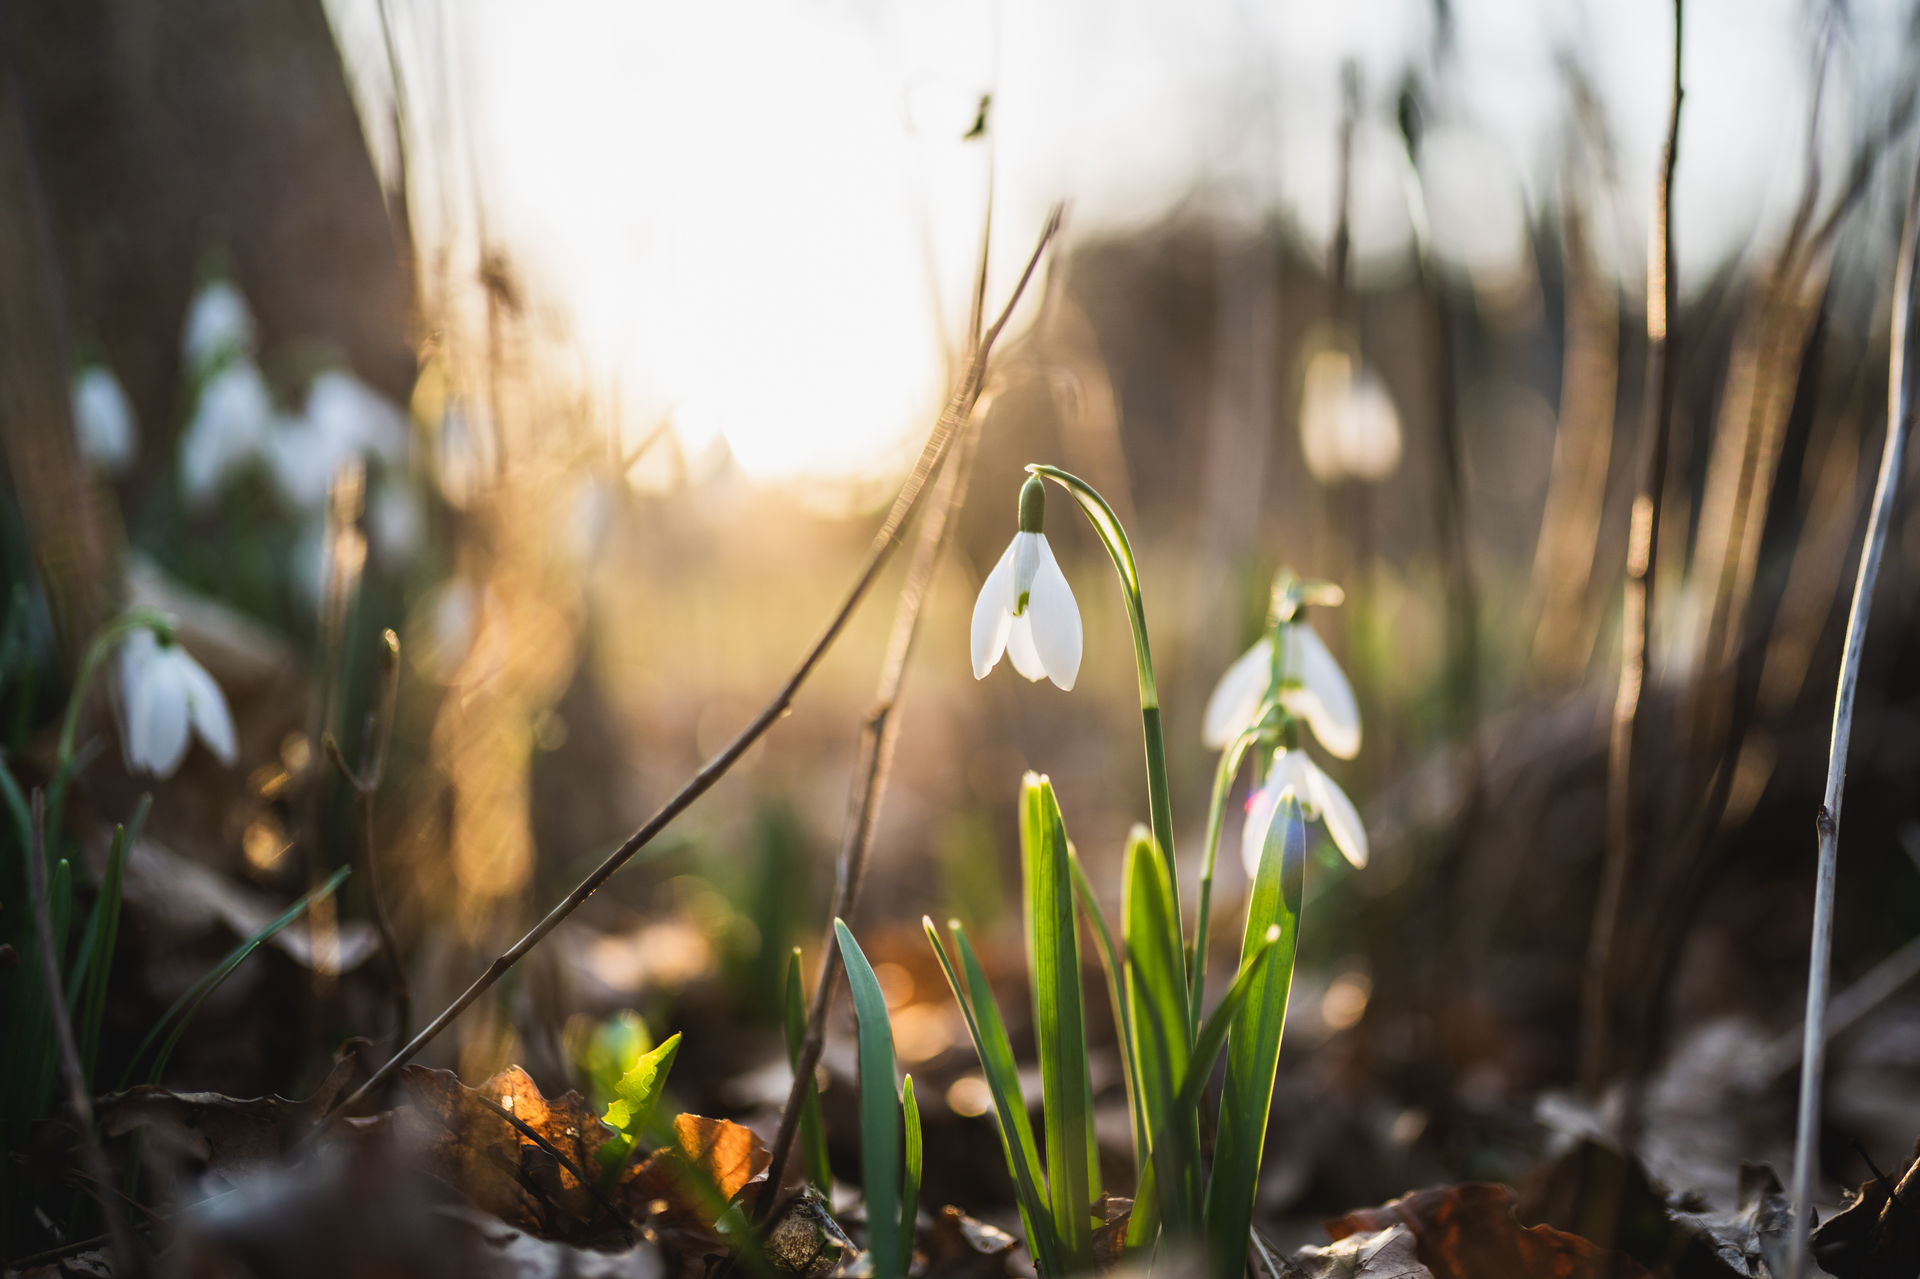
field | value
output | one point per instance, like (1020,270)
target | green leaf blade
(1053,962)
(1157,993)
(1253,1041)
(881,1138)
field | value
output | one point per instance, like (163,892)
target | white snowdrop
(1321,800)
(1026,609)
(1316,690)
(218,325)
(230,426)
(167,697)
(103,419)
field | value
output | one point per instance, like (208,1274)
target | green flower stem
(1114,538)
(1223,777)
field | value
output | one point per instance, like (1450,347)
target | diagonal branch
(959,407)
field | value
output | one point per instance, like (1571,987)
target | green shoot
(889,1236)
(916,1162)
(103,932)
(630,1113)
(1157,995)
(813,1132)
(1112,966)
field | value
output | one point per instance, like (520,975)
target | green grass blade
(910,1190)
(880,1125)
(990,1044)
(181,1013)
(1053,962)
(106,933)
(1157,993)
(59,917)
(1253,1042)
(1145,1221)
(813,1132)
(1111,965)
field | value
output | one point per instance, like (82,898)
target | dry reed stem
(1637,617)
(1813,1046)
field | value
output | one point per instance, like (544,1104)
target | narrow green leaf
(990,1044)
(181,1013)
(1145,1221)
(813,1132)
(636,1096)
(59,917)
(1253,1042)
(1053,961)
(1157,994)
(880,1123)
(106,932)
(910,1190)
(1110,964)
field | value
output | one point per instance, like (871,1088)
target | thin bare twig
(1636,627)
(959,407)
(126,1261)
(365,783)
(1900,403)
(878,737)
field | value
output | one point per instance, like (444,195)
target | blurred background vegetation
(657,302)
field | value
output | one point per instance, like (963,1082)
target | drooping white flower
(103,419)
(344,418)
(1320,799)
(165,695)
(218,325)
(1026,609)
(1316,691)
(228,429)
(1349,427)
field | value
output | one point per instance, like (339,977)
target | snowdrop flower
(228,429)
(1320,801)
(344,418)
(1026,609)
(1314,689)
(103,419)
(165,694)
(1349,428)
(218,325)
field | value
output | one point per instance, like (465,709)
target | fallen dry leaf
(1470,1232)
(1376,1254)
(959,1247)
(1876,1236)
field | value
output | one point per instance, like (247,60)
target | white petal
(1236,698)
(1342,819)
(993,615)
(1020,647)
(229,425)
(1055,619)
(1026,562)
(217,323)
(354,417)
(157,723)
(103,418)
(207,708)
(1324,698)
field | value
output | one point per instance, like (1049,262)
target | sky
(759,219)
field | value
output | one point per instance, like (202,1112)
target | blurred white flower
(1349,428)
(1322,697)
(229,428)
(103,419)
(218,325)
(344,418)
(165,694)
(1320,800)
(394,519)
(1027,610)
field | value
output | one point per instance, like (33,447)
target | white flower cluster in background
(103,419)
